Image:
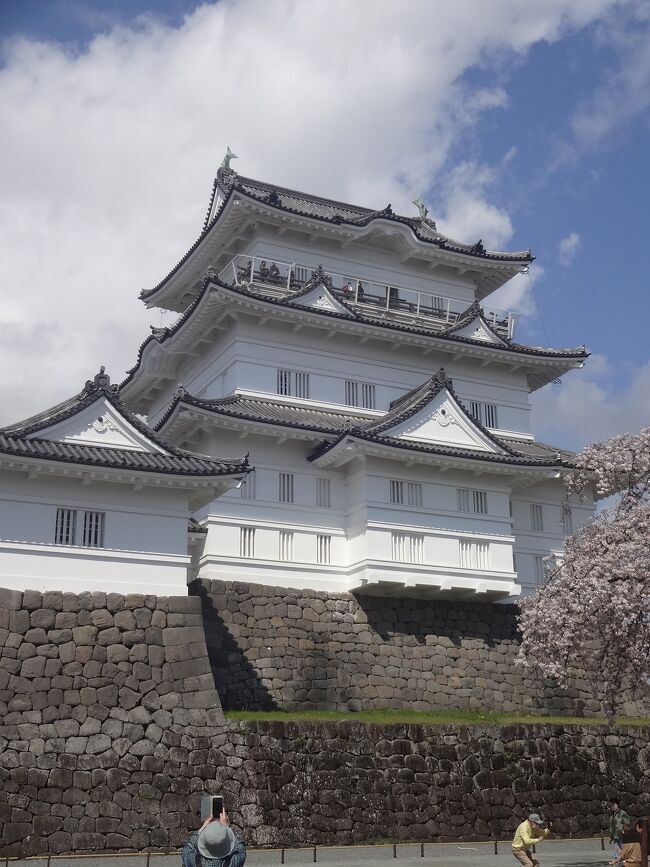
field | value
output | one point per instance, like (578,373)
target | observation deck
(410,306)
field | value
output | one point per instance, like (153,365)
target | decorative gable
(443,421)
(478,329)
(319,297)
(98,425)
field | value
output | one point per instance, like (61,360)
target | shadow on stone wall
(237,681)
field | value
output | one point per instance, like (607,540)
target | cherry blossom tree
(592,617)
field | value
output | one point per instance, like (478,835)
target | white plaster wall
(145,535)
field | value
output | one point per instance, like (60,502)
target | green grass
(439,717)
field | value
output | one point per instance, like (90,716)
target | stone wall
(109,720)
(277,647)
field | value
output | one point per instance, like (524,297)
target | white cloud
(593,404)
(568,248)
(107,154)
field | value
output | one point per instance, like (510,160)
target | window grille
(323,549)
(93,530)
(285,551)
(538,569)
(247,541)
(248,488)
(302,385)
(285,487)
(474,555)
(397,492)
(414,494)
(284,382)
(567,521)
(479,502)
(367,396)
(485,413)
(351,393)
(472,501)
(66,526)
(323,492)
(536,518)
(407,547)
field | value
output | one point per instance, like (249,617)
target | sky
(527,125)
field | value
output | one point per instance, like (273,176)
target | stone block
(84,635)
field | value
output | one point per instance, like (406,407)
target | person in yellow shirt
(529,832)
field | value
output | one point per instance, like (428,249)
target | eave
(162,356)
(237,221)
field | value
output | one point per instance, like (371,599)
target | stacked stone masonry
(285,648)
(111,729)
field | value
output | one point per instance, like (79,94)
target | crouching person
(215,844)
(531,831)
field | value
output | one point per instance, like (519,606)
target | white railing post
(356,292)
(448,308)
(234,271)
(387,297)
(417,308)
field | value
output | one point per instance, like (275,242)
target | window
(285,548)
(414,494)
(567,520)
(70,523)
(247,489)
(407,547)
(323,549)
(66,525)
(359,394)
(292,383)
(93,533)
(323,493)
(247,541)
(474,555)
(397,492)
(472,501)
(536,518)
(538,569)
(485,413)
(285,487)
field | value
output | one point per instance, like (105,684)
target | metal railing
(396,302)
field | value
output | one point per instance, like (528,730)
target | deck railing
(396,302)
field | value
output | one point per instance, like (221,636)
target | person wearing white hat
(531,831)
(214,845)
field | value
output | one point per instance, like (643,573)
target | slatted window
(302,385)
(485,413)
(292,383)
(474,555)
(414,494)
(284,382)
(538,570)
(247,541)
(536,518)
(367,395)
(248,487)
(285,547)
(472,501)
(285,487)
(323,549)
(351,392)
(359,394)
(323,492)
(567,521)
(397,492)
(407,547)
(93,530)
(66,527)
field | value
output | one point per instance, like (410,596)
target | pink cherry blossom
(592,618)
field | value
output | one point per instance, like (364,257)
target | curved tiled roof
(211,283)
(329,211)
(338,424)
(18,440)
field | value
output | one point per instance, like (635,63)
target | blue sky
(528,127)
